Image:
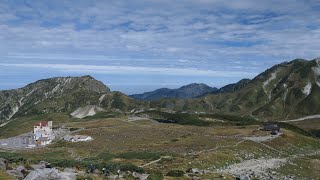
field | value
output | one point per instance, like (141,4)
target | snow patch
(20,101)
(89,110)
(30,92)
(307,89)
(316,71)
(55,88)
(101,98)
(265,83)
(15,109)
(285,95)
(37,102)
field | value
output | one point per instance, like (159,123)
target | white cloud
(149,36)
(94,69)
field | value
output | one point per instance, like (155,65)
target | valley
(149,147)
(215,135)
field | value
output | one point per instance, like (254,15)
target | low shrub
(175,173)
(114,166)
(13,157)
(155,175)
(177,118)
(139,155)
(293,128)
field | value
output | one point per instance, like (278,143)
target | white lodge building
(43,132)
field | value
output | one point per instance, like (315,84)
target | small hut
(274,128)
(270,127)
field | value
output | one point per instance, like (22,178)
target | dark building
(271,127)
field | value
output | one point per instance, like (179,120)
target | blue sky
(140,45)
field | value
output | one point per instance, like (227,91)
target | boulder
(17,174)
(245,177)
(195,171)
(50,174)
(140,176)
(21,169)
(3,164)
(41,165)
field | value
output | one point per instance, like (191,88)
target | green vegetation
(232,119)
(177,118)
(302,167)
(114,166)
(103,115)
(126,155)
(293,128)
(155,175)
(4,176)
(12,157)
(139,155)
(175,173)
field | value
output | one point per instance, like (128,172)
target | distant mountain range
(193,90)
(287,90)
(230,88)
(188,91)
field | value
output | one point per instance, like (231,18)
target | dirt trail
(217,147)
(262,138)
(155,161)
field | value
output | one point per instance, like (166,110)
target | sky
(136,46)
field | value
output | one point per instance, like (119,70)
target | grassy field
(307,166)
(310,125)
(4,176)
(131,145)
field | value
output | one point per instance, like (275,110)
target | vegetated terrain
(212,136)
(168,145)
(188,91)
(285,91)
(310,125)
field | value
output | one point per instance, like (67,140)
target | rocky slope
(230,88)
(62,94)
(184,92)
(288,90)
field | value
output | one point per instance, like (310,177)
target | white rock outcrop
(89,110)
(50,174)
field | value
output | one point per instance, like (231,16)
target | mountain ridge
(187,91)
(60,94)
(284,91)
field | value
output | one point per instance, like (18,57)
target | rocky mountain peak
(188,91)
(52,94)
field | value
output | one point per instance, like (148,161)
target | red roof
(42,124)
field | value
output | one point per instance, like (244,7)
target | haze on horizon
(140,45)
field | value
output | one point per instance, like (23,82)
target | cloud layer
(157,37)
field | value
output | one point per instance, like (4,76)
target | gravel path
(257,167)
(303,118)
(262,138)
(155,161)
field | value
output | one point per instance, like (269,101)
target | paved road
(18,142)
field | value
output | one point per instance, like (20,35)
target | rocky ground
(43,171)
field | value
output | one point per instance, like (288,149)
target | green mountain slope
(287,90)
(63,94)
(189,91)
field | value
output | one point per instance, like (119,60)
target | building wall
(43,131)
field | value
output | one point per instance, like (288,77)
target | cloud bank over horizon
(146,44)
